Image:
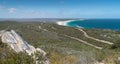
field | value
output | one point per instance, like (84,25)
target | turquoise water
(113,24)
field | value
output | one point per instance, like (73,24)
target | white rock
(118,58)
(17,43)
(1,32)
(99,62)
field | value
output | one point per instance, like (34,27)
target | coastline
(64,23)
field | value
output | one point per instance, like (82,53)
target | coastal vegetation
(60,48)
(8,56)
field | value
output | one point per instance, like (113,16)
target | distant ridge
(35,19)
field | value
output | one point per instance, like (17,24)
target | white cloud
(1,7)
(12,10)
(62,1)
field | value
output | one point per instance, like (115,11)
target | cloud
(1,7)
(62,1)
(12,10)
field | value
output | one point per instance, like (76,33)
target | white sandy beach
(63,23)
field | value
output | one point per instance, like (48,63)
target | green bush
(8,56)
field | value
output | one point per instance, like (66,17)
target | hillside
(67,45)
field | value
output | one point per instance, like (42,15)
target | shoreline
(64,23)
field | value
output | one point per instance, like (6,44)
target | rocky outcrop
(16,42)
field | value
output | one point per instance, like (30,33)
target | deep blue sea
(113,24)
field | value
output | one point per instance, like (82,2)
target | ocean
(113,24)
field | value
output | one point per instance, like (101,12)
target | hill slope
(62,49)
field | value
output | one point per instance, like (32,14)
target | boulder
(18,44)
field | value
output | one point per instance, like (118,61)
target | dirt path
(87,36)
(84,42)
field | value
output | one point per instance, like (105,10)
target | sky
(59,8)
